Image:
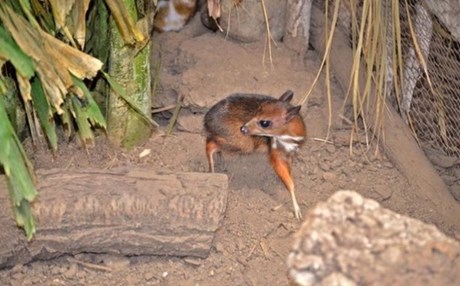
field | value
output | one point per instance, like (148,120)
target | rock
(350,240)
(16,283)
(388,165)
(336,163)
(193,261)
(115,261)
(190,122)
(324,166)
(331,148)
(384,192)
(439,159)
(149,275)
(219,247)
(449,179)
(133,279)
(338,279)
(56,270)
(18,268)
(455,191)
(297,34)
(202,88)
(245,21)
(326,187)
(456,172)
(71,272)
(328,176)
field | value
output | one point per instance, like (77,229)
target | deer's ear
(293,111)
(287,96)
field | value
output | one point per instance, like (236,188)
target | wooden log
(398,143)
(128,212)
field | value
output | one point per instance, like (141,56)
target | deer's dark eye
(265,123)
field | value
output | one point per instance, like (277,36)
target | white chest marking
(287,142)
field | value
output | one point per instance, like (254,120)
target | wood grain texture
(128,212)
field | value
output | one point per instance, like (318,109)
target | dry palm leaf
(129,32)
(54,59)
(70,17)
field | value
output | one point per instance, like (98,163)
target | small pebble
(71,272)
(455,191)
(336,163)
(331,148)
(56,270)
(149,276)
(219,247)
(329,176)
(193,261)
(116,262)
(18,268)
(324,166)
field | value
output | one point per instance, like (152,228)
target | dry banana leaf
(54,59)
(61,8)
(78,19)
(128,30)
(70,17)
(78,63)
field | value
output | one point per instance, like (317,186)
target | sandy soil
(252,245)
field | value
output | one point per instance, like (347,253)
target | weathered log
(399,144)
(128,212)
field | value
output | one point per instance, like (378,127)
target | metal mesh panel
(433,113)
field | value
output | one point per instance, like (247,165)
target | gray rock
(115,261)
(71,272)
(324,166)
(439,159)
(455,191)
(329,176)
(350,240)
(245,21)
(190,122)
(331,148)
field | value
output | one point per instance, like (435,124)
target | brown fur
(234,124)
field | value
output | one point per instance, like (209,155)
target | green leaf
(84,128)
(66,118)
(24,217)
(121,92)
(12,157)
(3,85)
(9,50)
(91,110)
(45,116)
(19,173)
(27,9)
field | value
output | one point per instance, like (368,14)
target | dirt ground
(252,245)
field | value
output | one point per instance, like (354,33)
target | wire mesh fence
(428,101)
(434,112)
